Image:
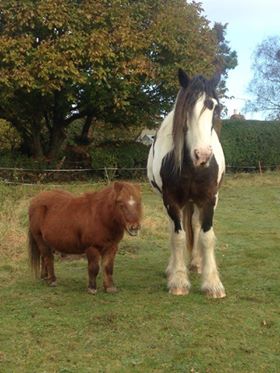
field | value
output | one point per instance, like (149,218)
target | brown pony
(93,223)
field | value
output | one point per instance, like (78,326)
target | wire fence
(30,176)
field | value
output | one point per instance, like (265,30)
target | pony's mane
(186,99)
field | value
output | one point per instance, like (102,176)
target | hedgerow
(246,143)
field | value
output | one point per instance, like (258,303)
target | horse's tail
(34,254)
(188,212)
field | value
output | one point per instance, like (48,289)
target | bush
(122,155)
(246,143)
(9,137)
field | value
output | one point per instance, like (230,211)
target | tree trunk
(36,145)
(57,137)
(84,138)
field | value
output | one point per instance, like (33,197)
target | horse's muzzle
(202,157)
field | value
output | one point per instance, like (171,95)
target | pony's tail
(34,254)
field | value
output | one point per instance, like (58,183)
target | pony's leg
(211,283)
(44,269)
(93,257)
(196,259)
(108,268)
(178,282)
(49,261)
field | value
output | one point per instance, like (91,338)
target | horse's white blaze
(131,201)
(199,136)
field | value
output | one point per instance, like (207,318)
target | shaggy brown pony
(93,223)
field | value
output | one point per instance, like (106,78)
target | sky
(249,23)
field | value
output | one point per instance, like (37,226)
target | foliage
(142,328)
(265,85)
(120,154)
(9,137)
(245,143)
(112,61)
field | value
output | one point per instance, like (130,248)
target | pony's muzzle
(133,229)
(202,156)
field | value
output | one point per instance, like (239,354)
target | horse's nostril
(196,154)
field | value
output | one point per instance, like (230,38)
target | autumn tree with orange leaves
(114,61)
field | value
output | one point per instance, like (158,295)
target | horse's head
(195,107)
(129,206)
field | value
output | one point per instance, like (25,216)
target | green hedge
(121,155)
(248,142)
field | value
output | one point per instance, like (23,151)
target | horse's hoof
(52,284)
(179,291)
(111,290)
(92,291)
(215,293)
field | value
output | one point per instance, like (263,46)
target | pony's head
(129,206)
(196,104)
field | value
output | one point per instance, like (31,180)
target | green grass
(142,328)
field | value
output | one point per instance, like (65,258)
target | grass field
(142,328)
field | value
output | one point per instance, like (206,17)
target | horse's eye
(209,104)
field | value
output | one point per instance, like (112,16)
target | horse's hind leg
(93,256)
(195,257)
(108,267)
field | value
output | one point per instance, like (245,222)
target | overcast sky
(249,23)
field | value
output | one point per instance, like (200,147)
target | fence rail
(30,176)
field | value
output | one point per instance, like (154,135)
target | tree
(265,85)
(61,60)
(226,59)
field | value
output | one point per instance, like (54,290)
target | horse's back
(162,145)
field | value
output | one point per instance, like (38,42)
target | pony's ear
(183,78)
(118,187)
(215,80)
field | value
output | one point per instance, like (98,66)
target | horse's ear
(118,186)
(183,78)
(215,80)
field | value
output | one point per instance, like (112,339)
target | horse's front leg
(178,282)
(108,267)
(211,283)
(93,257)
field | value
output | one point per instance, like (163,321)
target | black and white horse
(186,165)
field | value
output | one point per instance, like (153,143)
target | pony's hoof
(179,291)
(91,291)
(111,290)
(52,284)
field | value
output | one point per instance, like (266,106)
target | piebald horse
(186,166)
